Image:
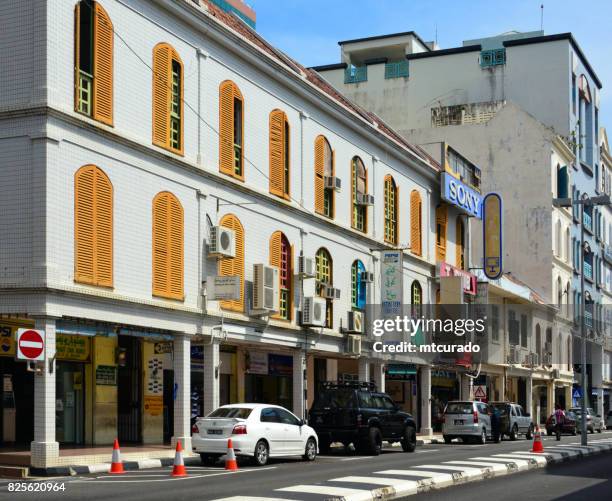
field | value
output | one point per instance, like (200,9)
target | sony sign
(460,195)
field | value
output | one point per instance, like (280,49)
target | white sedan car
(259,431)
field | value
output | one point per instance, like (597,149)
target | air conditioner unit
(333,183)
(353,345)
(513,354)
(365,199)
(535,358)
(355,322)
(367,276)
(265,288)
(547,359)
(306,267)
(313,311)
(527,360)
(331,293)
(222,242)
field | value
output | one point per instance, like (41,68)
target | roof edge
(389,35)
(445,52)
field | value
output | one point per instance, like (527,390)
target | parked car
(514,420)
(568,427)
(467,421)
(593,421)
(259,431)
(354,412)
(609,420)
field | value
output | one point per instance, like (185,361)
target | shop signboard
(492,235)
(7,341)
(153,405)
(106,375)
(461,195)
(391,283)
(280,365)
(197,357)
(223,288)
(401,372)
(163,347)
(257,362)
(469,280)
(71,347)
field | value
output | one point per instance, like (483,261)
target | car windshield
(502,408)
(231,412)
(341,398)
(459,408)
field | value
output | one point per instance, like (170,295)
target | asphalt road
(212,483)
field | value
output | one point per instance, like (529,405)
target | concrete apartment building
(522,106)
(148,165)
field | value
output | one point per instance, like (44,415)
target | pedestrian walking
(559,420)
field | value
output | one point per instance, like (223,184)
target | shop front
(401,385)
(269,378)
(444,388)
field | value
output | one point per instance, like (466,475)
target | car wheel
(310,453)
(447,439)
(209,459)
(529,434)
(513,433)
(483,437)
(374,441)
(261,453)
(409,440)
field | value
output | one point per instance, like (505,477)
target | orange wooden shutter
(459,243)
(104,230)
(77,47)
(176,249)
(226,128)
(319,186)
(415,222)
(441,221)
(277,152)
(275,255)
(235,265)
(84,221)
(160,245)
(162,65)
(102,66)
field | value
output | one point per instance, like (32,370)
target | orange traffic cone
(230,459)
(537,441)
(116,464)
(178,469)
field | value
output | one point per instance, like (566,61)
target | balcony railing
(588,270)
(495,57)
(588,318)
(396,70)
(355,74)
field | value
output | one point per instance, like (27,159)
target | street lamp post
(567,202)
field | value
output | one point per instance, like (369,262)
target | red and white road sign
(30,344)
(480,392)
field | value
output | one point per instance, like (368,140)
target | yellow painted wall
(105,396)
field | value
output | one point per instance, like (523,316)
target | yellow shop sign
(71,347)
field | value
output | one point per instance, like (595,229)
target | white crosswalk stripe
(329,490)
(496,468)
(400,487)
(467,471)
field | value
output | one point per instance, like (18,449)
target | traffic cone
(537,441)
(178,470)
(230,459)
(116,464)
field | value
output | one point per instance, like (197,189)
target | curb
(473,469)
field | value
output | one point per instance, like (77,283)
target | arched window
(562,182)
(93,62)
(568,251)
(538,341)
(568,312)
(559,294)
(167,98)
(441,223)
(281,256)
(460,244)
(324,277)
(231,130)
(279,154)
(234,266)
(391,210)
(324,168)
(93,227)
(558,238)
(167,246)
(359,178)
(358,285)
(416,294)
(416,217)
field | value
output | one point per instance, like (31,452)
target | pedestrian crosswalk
(395,483)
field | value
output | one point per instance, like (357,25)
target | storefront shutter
(103,230)
(319,186)
(162,79)
(277,152)
(102,66)
(226,128)
(415,222)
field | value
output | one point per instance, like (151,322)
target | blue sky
(309,30)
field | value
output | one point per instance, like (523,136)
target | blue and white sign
(460,195)
(577,393)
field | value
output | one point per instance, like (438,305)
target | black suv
(354,412)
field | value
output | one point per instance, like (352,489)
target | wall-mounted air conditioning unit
(547,359)
(355,322)
(353,345)
(265,288)
(365,199)
(313,311)
(222,242)
(306,267)
(367,276)
(331,293)
(333,183)
(535,358)
(514,354)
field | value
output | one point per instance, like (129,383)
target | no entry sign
(30,344)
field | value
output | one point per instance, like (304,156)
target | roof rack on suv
(366,385)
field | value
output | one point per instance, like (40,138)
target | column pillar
(211,376)
(331,369)
(379,376)
(467,387)
(364,369)
(44,448)
(529,395)
(182,391)
(550,398)
(568,397)
(600,404)
(425,394)
(299,384)
(240,375)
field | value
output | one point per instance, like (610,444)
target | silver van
(467,421)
